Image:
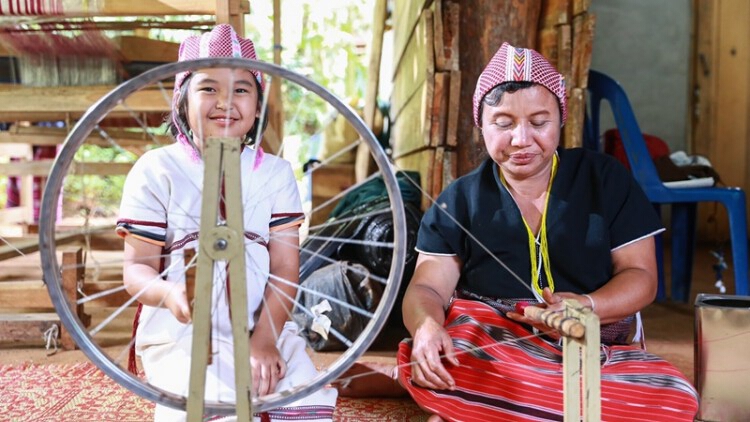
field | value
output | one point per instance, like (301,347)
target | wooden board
(26,328)
(420,161)
(583,43)
(416,66)
(439,109)
(405,15)
(101,8)
(47,136)
(573,130)
(328,181)
(553,13)
(411,129)
(43,167)
(141,49)
(454,100)
(19,102)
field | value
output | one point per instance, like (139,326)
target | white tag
(321,324)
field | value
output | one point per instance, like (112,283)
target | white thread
(50,337)
(593,305)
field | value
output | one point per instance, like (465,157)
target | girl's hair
(178,115)
(495,95)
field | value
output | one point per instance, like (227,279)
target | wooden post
(73,272)
(231,12)
(581,367)
(363,160)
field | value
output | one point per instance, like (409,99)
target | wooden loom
(581,367)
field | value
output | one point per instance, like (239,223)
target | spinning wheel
(67,169)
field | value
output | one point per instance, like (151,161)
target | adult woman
(574,221)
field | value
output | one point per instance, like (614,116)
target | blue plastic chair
(683,200)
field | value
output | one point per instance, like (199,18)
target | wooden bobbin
(568,326)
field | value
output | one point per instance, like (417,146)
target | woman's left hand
(266,364)
(554,302)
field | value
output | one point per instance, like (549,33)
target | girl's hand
(177,303)
(266,365)
(430,341)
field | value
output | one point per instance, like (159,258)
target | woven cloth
(83,393)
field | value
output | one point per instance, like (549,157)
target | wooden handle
(568,326)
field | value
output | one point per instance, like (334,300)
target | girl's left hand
(266,365)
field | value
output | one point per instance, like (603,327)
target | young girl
(160,219)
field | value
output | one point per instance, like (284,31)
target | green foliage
(95,195)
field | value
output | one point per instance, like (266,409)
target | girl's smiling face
(522,131)
(221,102)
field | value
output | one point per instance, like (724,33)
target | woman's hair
(495,95)
(178,115)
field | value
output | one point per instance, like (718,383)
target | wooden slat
(416,65)
(439,109)
(141,49)
(97,235)
(327,182)
(580,6)
(405,17)
(19,102)
(437,172)
(420,161)
(24,294)
(554,12)
(52,136)
(83,8)
(43,168)
(411,130)
(26,328)
(583,43)
(565,54)
(14,215)
(454,100)
(363,161)
(574,125)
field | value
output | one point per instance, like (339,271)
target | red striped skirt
(508,374)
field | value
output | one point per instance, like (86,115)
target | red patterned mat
(82,393)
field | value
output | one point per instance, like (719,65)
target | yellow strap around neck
(543,249)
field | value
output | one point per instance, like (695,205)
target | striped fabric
(507,374)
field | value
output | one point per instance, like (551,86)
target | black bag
(343,281)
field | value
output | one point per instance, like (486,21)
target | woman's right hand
(177,303)
(431,343)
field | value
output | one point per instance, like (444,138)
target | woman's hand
(266,364)
(430,342)
(553,302)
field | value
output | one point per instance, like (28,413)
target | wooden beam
(26,328)
(142,49)
(31,245)
(232,12)
(43,168)
(24,295)
(363,161)
(73,8)
(47,136)
(19,102)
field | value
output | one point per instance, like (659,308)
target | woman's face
(522,132)
(221,103)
